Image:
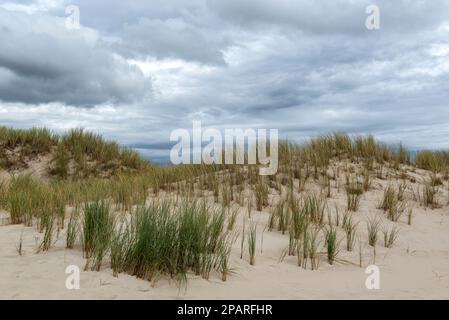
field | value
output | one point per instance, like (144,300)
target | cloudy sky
(136,70)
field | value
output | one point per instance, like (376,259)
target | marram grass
(117,223)
(163,240)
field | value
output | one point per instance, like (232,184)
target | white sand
(417,267)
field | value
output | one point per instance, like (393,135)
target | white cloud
(145,68)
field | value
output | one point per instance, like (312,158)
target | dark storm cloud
(41,61)
(337,16)
(163,29)
(173,38)
(304,67)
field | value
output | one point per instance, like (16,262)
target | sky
(135,71)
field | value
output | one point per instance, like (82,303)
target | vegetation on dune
(252,239)
(104,198)
(332,244)
(76,154)
(354,192)
(373,226)
(435,161)
(161,239)
(97,225)
(350,228)
(390,236)
(393,203)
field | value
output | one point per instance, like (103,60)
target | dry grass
(393,203)
(76,154)
(430,196)
(354,192)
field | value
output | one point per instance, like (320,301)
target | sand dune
(417,267)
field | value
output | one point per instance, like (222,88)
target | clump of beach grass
(98,225)
(48,225)
(121,242)
(252,240)
(261,192)
(354,192)
(350,228)
(366,180)
(72,229)
(21,196)
(332,244)
(389,199)
(393,203)
(314,208)
(390,236)
(232,218)
(224,262)
(430,196)
(373,226)
(165,240)
(298,227)
(313,246)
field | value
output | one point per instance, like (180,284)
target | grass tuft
(373,225)
(390,237)
(332,244)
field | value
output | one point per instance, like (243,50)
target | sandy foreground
(417,267)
